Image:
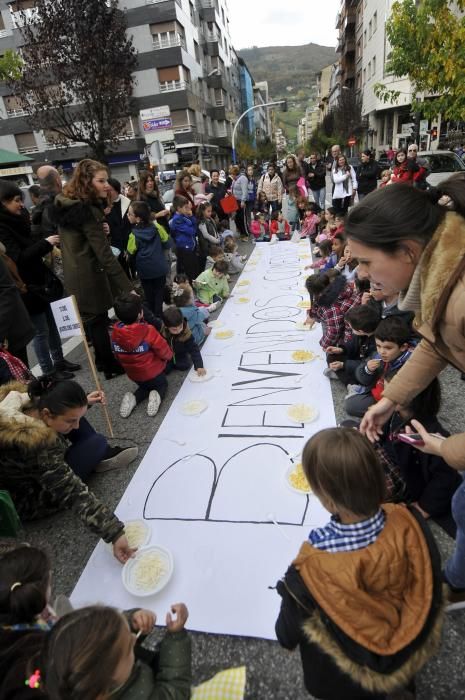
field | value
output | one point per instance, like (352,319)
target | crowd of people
(388,299)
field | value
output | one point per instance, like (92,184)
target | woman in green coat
(91,271)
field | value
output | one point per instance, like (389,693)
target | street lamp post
(266,104)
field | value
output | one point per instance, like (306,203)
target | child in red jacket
(142,352)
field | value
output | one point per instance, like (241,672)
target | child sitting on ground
(327,226)
(91,652)
(386,301)
(212,285)
(310,222)
(331,298)
(259,228)
(385,178)
(178,335)
(279,226)
(363,597)
(225,232)
(344,359)
(143,354)
(323,254)
(207,233)
(215,255)
(262,206)
(392,337)
(195,316)
(235,261)
(430,482)
(337,250)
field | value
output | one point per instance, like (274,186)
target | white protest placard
(66,317)
(213,487)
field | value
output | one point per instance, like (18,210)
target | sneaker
(455,598)
(154,403)
(353,389)
(213,307)
(127,405)
(117,458)
(67,366)
(330,373)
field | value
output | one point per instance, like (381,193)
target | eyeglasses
(412,150)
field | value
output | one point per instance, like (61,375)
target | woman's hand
(163,212)
(374,419)
(182,613)
(143,621)
(432,442)
(121,549)
(366,296)
(96,397)
(53,240)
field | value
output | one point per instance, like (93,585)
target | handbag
(229,204)
(51,290)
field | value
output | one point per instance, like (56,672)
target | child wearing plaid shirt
(331,296)
(363,597)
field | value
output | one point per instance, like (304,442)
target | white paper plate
(129,571)
(293,488)
(196,379)
(215,324)
(241,300)
(193,408)
(145,534)
(309,419)
(301,326)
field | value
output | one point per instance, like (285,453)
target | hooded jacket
(91,271)
(366,621)
(35,473)
(209,286)
(140,350)
(149,248)
(196,317)
(183,230)
(182,345)
(437,296)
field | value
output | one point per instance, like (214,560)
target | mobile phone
(411,438)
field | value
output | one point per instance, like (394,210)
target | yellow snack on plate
(302,413)
(304,304)
(298,480)
(223,335)
(242,300)
(303,356)
(243,283)
(137,533)
(148,571)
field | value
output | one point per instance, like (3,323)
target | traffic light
(284,106)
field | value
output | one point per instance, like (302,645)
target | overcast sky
(282,22)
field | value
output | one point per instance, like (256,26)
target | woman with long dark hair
(91,271)
(184,187)
(149,192)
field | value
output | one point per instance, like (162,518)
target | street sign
(155,112)
(169,146)
(424,125)
(352,141)
(156,124)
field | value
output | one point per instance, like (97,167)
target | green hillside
(291,72)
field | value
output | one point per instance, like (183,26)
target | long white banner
(221,502)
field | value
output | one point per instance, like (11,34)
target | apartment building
(187,89)
(261,114)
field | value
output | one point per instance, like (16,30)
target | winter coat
(91,271)
(140,350)
(371,629)
(149,243)
(15,235)
(156,205)
(357,350)
(17,648)
(281,228)
(207,235)
(235,263)
(118,222)
(437,296)
(429,480)
(35,473)
(330,308)
(343,186)
(218,193)
(43,223)
(183,230)
(251,189)
(188,194)
(168,677)
(240,188)
(207,286)
(318,181)
(367,177)
(15,324)
(273,189)
(309,225)
(196,317)
(291,177)
(409,171)
(392,310)
(375,380)
(182,345)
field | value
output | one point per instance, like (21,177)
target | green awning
(9,157)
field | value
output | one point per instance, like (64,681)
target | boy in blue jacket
(196,316)
(183,227)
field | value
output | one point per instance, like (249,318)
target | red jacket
(274,227)
(141,350)
(402,173)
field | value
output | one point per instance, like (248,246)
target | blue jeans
(46,342)
(455,566)
(88,448)
(319,197)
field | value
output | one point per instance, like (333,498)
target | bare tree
(77,77)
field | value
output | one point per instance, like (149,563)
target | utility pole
(267,104)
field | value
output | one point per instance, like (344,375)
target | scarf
(16,367)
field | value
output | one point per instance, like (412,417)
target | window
(14,107)
(167,34)
(192,12)
(26,143)
(375,22)
(197,51)
(365,38)
(373,63)
(370,29)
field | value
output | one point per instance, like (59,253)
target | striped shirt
(337,537)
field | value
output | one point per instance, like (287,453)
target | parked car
(168,197)
(441,164)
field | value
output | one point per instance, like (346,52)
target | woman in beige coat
(413,242)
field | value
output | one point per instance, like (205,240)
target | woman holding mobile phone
(414,242)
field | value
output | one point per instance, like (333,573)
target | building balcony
(349,46)
(218,112)
(170,43)
(174,85)
(17,112)
(24,150)
(210,36)
(5,32)
(217,81)
(183,128)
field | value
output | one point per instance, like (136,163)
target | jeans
(46,342)
(455,566)
(187,262)
(159,384)
(241,221)
(319,197)
(154,290)
(88,448)
(275,206)
(342,205)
